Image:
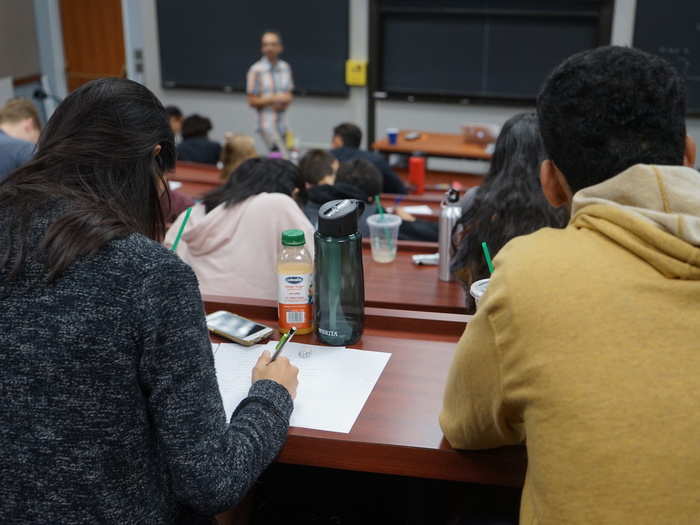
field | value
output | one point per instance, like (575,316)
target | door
(93,40)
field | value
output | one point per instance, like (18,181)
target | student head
(175,118)
(605,110)
(361,174)
(346,135)
(509,202)
(195,126)
(317,167)
(19,119)
(271,42)
(257,176)
(235,151)
(101,157)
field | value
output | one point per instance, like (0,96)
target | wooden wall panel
(93,40)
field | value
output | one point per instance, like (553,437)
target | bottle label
(294,289)
(294,297)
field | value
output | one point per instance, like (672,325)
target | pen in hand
(283,341)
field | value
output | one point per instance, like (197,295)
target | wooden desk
(397,431)
(402,285)
(196,171)
(199,179)
(440,181)
(432,200)
(449,145)
(196,179)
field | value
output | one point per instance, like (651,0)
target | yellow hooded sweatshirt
(587,344)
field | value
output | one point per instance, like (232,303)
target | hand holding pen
(278,368)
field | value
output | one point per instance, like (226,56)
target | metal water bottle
(449,215)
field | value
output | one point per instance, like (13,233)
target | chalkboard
(672,30)
(498,49)
(210,44)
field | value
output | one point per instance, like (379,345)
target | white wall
(133,38)
(6,89)
(50,42)
(18,42)
(312,118)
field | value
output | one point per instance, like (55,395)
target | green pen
(283,341)
(182,229)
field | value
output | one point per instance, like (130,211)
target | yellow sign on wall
(356,72)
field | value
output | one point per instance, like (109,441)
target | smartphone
(236,328)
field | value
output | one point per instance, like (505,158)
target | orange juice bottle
(295,272)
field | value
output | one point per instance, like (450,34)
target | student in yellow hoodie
(586,343)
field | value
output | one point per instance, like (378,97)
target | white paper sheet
(423,209)
(334,383)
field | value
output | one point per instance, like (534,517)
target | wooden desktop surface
(404,286)
(430,144)
(437,181)
(196,187)
(198,179)
(397,431)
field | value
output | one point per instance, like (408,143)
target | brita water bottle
(339,291)
(449,215)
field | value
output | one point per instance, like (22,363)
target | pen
(283,341)
(182,229)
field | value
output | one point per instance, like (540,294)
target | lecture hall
(348,262)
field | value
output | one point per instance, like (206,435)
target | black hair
(272,32)
(607,109)
(315,165)
(350,134)
(508,203)
(173,112)
(195,126)
(256,176)
(362,174)
(96,161)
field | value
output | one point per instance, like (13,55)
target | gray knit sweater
(109,406)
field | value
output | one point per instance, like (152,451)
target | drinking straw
(182,229)
(487,256)
(380,209)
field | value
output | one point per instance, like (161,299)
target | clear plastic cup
(383,234)
(478,289)
(392,134)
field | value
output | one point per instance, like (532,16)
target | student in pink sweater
(232,237)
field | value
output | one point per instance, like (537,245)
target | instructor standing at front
(269,89)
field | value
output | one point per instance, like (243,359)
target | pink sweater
(234,250)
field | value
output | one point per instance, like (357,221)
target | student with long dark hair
(232,237)
(110,406)
(509,203)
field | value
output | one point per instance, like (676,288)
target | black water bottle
(339,291)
